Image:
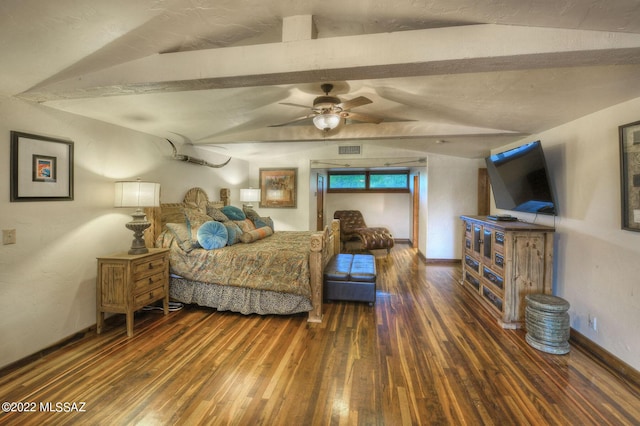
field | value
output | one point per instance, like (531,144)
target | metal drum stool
(547,323)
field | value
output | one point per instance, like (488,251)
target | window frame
(367,176)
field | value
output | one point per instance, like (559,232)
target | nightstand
(127,282)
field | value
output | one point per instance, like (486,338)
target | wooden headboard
(195,198)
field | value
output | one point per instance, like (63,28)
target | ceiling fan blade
(295,105)
(365,118)
(295,120)
(355,102)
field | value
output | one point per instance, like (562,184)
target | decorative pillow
(216,214)
(233,232)
(182,236)
(262,222)
(233,213)
(212,235)
(195,219)
(257,220)
(251,213)
(246,225)
(256,234)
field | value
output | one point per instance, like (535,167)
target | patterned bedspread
(279,263)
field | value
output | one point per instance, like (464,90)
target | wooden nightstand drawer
(148,296)
(146,283)
(145,268)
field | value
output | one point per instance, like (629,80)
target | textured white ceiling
(218,71)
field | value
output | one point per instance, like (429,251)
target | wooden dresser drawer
(492,298)
(493,277)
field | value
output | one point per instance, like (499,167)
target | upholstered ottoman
(351,277)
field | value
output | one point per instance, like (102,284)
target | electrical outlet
(593,323)
(8,236)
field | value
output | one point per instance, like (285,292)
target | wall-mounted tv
(520,182)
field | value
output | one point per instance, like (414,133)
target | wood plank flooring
(425,354)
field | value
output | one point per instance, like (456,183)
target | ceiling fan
(328,111)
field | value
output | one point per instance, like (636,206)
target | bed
(279,273)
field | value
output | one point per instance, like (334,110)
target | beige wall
(596,262)
(47,279)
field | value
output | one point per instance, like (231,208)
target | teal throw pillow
(233,213)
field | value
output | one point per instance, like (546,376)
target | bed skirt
(237,299)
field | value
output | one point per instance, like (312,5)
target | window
(369,181)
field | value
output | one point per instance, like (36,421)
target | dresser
(126,283)
(502,262)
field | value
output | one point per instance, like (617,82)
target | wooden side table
(126,283)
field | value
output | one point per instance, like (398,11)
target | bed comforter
(278,263)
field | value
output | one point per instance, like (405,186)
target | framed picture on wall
(41,168)
(278,187)
(630,175)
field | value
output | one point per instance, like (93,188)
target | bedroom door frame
(320,202)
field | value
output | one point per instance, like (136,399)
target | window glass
(389,180)
(347,181)
(395,181)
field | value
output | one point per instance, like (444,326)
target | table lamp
(137,194)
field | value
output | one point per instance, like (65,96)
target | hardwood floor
(425,354)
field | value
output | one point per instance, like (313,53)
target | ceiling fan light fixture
(326,121)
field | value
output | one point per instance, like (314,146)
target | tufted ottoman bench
(351,277)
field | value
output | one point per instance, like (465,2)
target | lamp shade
(137,194)
(248,195)
(326,121)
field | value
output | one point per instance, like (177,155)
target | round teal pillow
(212,235)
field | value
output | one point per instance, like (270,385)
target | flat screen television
(519,180)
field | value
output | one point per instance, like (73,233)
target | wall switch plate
(8,236)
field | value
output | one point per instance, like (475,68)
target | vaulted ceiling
(476,75)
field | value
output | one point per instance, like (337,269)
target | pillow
(261,222)
(246,225)
(216,214)
(233,213)
(251,213)
(182,236)
(257,220)
(212,235)
(233,232)
(195,219)
(256,234)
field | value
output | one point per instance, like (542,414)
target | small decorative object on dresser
(126,283)
(503,261)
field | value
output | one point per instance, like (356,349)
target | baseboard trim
(49,349)
(606,358)
(443,261)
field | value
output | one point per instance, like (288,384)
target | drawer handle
(150,266)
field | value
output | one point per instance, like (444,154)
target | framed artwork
(41,168)
(630,175)
(278,187)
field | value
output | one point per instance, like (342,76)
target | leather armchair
(353,227)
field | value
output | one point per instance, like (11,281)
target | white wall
(392,211)
(452,192)
(47,279)
(596,262)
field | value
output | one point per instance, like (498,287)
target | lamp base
(138,225)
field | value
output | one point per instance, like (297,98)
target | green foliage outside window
(368,181)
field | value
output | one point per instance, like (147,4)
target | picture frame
(630,175)
(41,168)
(278,188)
